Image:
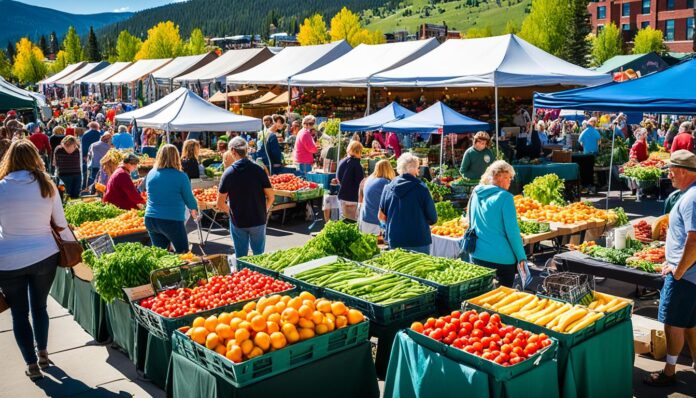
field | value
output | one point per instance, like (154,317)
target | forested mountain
(19,20)
(233,17)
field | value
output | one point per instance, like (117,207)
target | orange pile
(125,224)
(206,195)
(571,214)
(453,228)
(269,324)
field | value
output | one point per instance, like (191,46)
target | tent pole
(442,146)
(227,106)
(289,95)
(369,91)
(497,134)
(611,166)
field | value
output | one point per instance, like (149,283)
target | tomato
(485,316)
(515,361)
(467,326)
(479,324)
(495,318)
(499,360)
(486,341)
(436,334)
(506,348)
(456,314)
(440,323)
(477,346)
(545,343)
(477,333)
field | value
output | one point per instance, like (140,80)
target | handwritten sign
(139,292)
(102,244)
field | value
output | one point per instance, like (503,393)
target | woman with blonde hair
(493,216)
(28,252)
(349,174)
(370,192)
(169,193)
(189,158)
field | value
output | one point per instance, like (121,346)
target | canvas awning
(65,72)
(101,75)
(500,61)
(263,99)
(14,99)
(220,96)
(289,62)
(40,98)
(82,72)
(138,70)
(230,62)
(183,110)
(436,119)
(355,68)
(182,65)
(375,121)
(643,63)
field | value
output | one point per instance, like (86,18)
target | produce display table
(323,179)
(525,173)
(89,310)
(445,246)
(121,326)
(62,288)
(416,371)
(574,261)
(158,360)
(348,373)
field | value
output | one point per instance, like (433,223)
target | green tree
(607,44)
(10,51)
(73,46)
(648,40)
(53,43)
(345,25)
(92,51)
(196,43)
(60,63)
(163,41)
(28,64)
(474,33)
(511,28)
(577,46)
(313,31)
(5,67)
(546,25)
(43,45)
(127,46)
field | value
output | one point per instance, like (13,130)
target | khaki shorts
(349,210)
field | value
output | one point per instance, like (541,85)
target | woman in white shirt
(28,252)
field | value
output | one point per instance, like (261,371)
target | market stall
(46,84)
(67,83)
(128,84)
(91,84)
(161,81)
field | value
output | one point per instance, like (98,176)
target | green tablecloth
(385,338)
(415,371)
(122,328)
(89,310)
(158,356)
(349,373)
(525,173)
(62,288)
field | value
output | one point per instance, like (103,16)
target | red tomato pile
(206,195)
(290,182)
(643,231)
(655,255)
(483,335)
(218,291)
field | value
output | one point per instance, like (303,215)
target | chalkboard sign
(102,244)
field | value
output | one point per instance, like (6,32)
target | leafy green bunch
(546,189)
(79,212)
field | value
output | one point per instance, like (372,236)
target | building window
(670,5)
(601,12)
(646,6)
(690,28)
(644,24)
(600,28)
(626,27)
(626,9)
(689,3)
(669,30)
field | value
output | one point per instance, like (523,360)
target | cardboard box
(82,271)
(649,337)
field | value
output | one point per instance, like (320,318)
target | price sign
(102,244)
(139,292)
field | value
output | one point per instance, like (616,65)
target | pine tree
(577,46)
(10,51)
(43,45)
(53,43)
(92,50)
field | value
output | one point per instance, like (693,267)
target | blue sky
(93,7)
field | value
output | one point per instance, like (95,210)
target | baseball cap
(683,158)
(238,143)
(30,127)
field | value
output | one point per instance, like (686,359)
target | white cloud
(122,9)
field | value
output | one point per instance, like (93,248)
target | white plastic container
(620,235)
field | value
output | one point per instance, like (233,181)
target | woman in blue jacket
(169,193)
(494,218)
(407,208)
(369,195)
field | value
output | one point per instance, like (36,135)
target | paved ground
(87,369)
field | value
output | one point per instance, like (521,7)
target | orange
(317,317)
(225,318)
(224,331)
(305,323)
(306,333)
(305,311)
(211,323)
(247,346)
(309,303)
(262,340)
(295,303)
(258,323)
(255,352)
(290,315)
(234,354)
(271,309)
(285,299)
(355,316)
(341,321)
(272,327)
(280,306)
(234,323)
(251,315)
(275,318)
(241,335)
(212,341)
(274,299)
(244,325)
(199,334)
(278,340)
(220,349)
(331,324)
(324,305)
(200,321)
(417,327)
(230,343)
(321,328)
(261,304)
(250,306)
(307,296)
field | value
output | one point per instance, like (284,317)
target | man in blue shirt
(590,137)
(678,296)
(88,138)
(122,139)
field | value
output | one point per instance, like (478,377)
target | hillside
(19,20)
(234,17)
(457,14)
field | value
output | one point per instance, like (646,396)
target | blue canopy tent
(670,91)
(389,113)
(436,119)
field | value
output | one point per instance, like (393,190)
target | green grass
(463,18)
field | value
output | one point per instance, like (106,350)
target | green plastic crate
(610,318)
(498,372)
(307,194)
(241,264)
(272,363)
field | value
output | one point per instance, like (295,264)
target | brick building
(675,18)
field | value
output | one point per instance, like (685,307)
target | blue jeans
(418,249)
(243,237)
(163,232)
(84,174)
(24,289)
(504,272)
(72,184)
(93,172)
(304,168)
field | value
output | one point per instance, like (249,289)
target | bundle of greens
(341,239)
(621,217)
(79,212)
(533,227)
(281,259)
(446,211)
(437,191)
(641,173)
(546,189)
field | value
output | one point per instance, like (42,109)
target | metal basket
(570,287)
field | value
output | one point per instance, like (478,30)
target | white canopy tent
(500,61)
(65,72)
(184,110)
(230,62)
(289,62)
(180,66)
(82,72)
(101,75)
(137,71)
